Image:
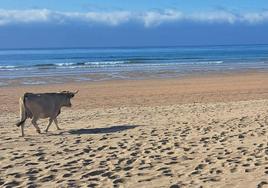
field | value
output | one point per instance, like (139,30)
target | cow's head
(67,98)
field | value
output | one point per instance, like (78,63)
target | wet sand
(208,131)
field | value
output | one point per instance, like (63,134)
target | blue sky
(137,5)
(103,23)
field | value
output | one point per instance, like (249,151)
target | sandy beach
(195,131)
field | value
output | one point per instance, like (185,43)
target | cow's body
(43,105)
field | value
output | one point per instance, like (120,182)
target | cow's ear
(71,95)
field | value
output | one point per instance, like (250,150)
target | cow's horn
(76,92)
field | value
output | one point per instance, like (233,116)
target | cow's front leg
(34,122)
(49,123)
(56,123)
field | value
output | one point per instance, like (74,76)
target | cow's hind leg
(22,129)
(49,123)
(34,122)
(56,123)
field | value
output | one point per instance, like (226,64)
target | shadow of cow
(112,129)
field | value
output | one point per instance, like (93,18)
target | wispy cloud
(147,18)
(154,18)
(25,16)
(44,15)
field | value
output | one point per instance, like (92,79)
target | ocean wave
(44,65)
(7,66)
(91,63)
(209,62)
(131,62)
(103,64)
(107,62)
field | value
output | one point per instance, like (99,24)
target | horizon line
(129,47)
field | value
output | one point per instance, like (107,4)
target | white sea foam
(209,62)
(15,69)
(3,84)
(65,64)
(33,82)
(91,64)
(7,66)
(106,62)
(103,64)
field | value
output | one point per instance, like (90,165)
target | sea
(46,66)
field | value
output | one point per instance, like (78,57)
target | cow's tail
(23,115)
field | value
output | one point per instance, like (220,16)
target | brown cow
(43,105)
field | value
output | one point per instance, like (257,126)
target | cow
(43,105)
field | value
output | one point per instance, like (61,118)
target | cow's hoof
(38,131)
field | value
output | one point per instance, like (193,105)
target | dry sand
(208,131)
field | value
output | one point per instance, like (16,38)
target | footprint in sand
(261,184)
(47,178)
(93,173)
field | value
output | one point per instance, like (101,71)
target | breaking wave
(103,64)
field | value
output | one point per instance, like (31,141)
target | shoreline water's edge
(133,76)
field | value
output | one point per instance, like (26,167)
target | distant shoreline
(135,76)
